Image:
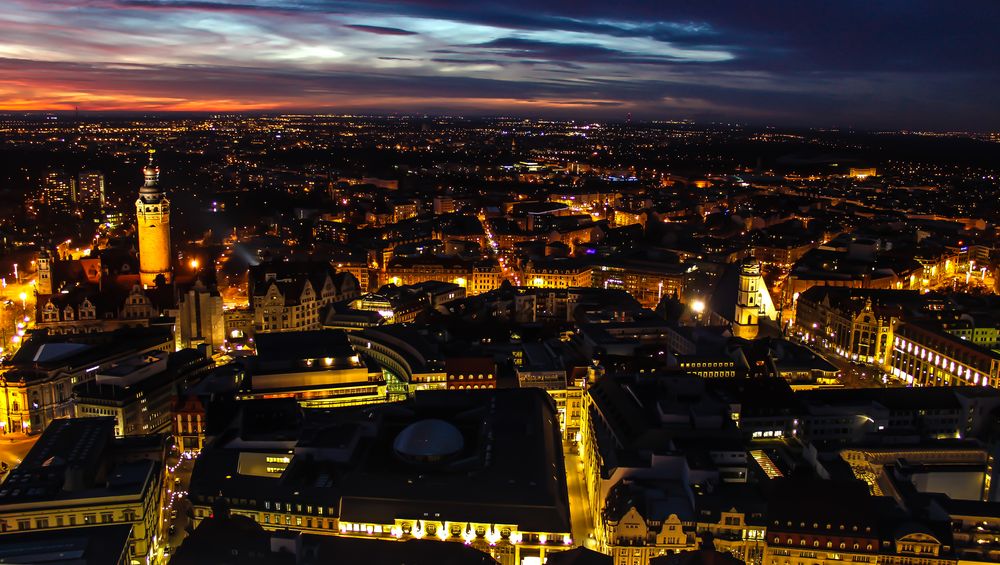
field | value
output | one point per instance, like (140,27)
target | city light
(532,288)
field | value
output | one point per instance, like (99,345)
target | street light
(698,306)
(24,297)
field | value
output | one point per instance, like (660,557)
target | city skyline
(322,282)
(891,65)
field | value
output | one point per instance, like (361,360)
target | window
(89,519)
(42,522)
(24,524)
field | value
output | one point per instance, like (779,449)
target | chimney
(73,480)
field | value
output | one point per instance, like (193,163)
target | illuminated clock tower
(152,211)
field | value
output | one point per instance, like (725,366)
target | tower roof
(152,174)
(749,266)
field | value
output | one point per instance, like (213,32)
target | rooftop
(486,456)
(97,545)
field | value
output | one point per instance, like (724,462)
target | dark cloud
(379,30)
(568,52)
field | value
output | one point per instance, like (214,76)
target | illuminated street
(13,449)
(579,505)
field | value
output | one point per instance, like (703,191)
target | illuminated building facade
(855,323)
(319,369)
(476,277)
(14,414)
(43,280)
(753,301)
(290,296)
(84,309)
(188,427)
(541,365)
(926,356)
(78,476)
(409,362)
(633,538)
(469,373)
(152,211)
(879,468)
(557,274)
(707,367)
(90,189)
(400,304)
(647,282)
(846,529)
(48,367)
(862,173)
(58,191)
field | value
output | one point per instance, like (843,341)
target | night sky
(914,64)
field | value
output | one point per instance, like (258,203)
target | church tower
(748,300)
(44,284)
(152,211)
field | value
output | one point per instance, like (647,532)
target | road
(854,375)
(14,447)
(175,500)
(579,503)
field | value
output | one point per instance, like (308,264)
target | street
(579,503)
(175,500)
(853,375)
(13,448)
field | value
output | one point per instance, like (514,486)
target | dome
(152,175)
(428,440)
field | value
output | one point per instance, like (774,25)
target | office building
(78,476)
(317,368)
(90,189)
(58,191)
